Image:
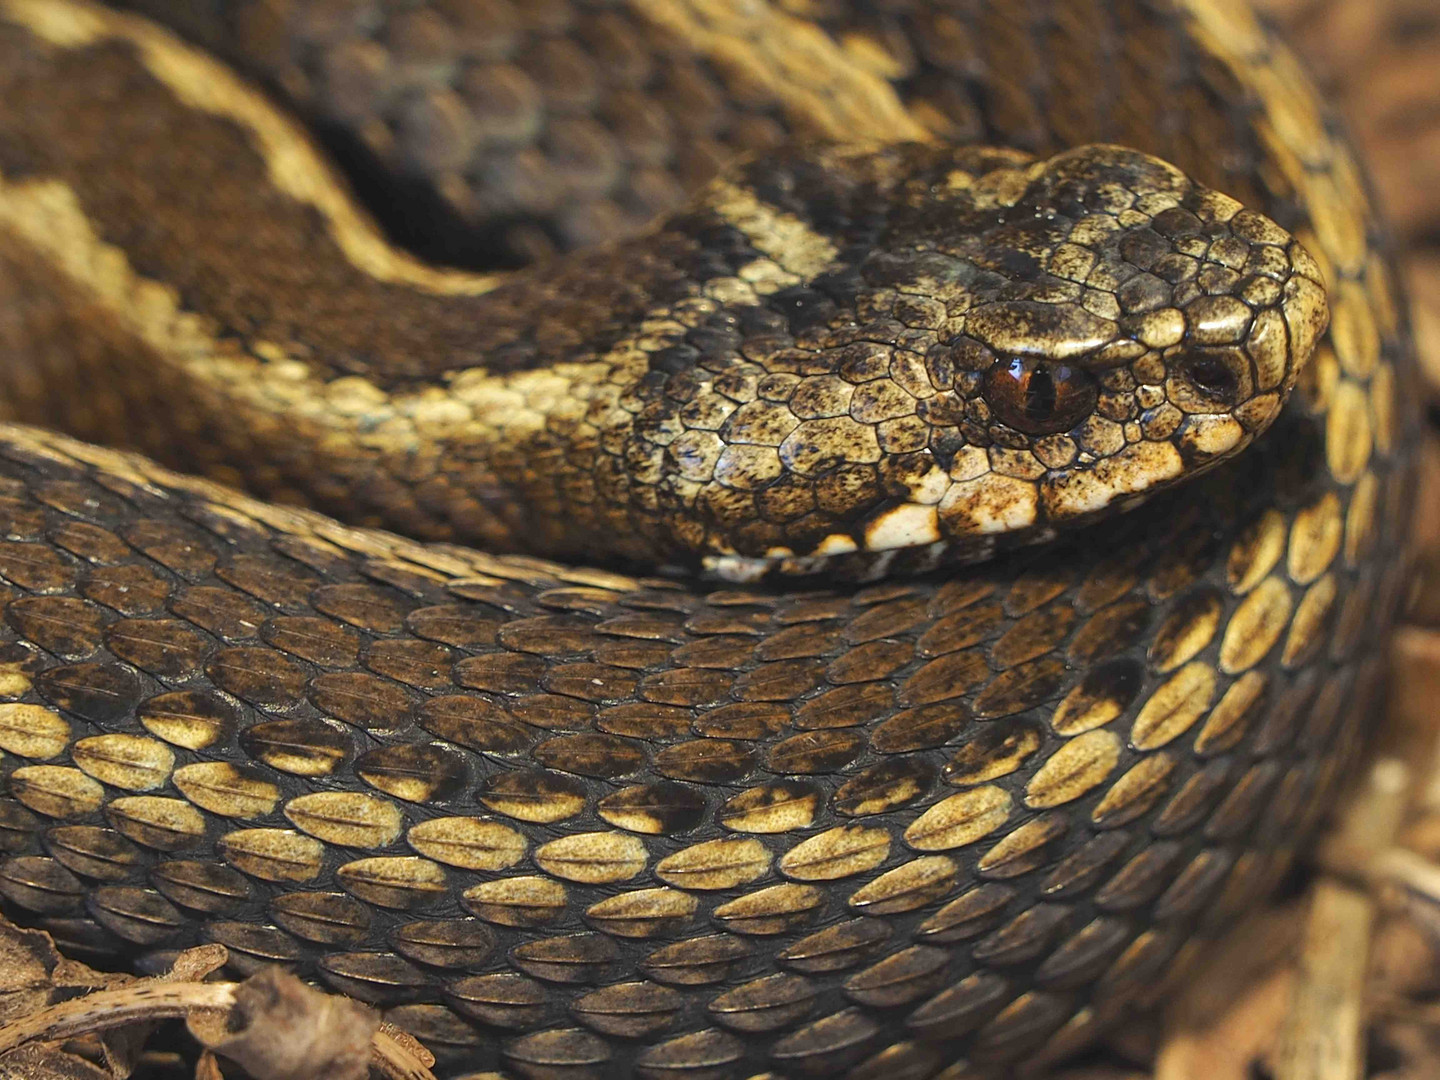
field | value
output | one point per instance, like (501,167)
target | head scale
(998,346)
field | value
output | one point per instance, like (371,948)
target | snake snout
(1026,344)
(1127,329)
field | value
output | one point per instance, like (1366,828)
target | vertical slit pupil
(1040,394)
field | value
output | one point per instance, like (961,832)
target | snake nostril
(1213,378)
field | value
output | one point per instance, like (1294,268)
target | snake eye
(1038,398)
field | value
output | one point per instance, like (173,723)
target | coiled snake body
(964,795)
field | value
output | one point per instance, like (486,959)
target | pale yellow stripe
(46,216)
(788,241)
(835,91)
(295,167)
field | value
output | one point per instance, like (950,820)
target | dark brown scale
(162,647)
(362,699)
(1111,629)
(505,1001)
(254,947)
(919,729)
(419,774)
(100,693)
(764,1004)
(226,614)
(958,1010)
(381,978)
(554,712)
(362,606)
(1019,689)
(846,705)
(900,978)
(21,520)
(65,626)
(500,673)
(97,853)
(274,581)
(591,755)
(706,1051)
(1035,635)
(89,542)
(883,788)
(468,721)
(423,665)
(319,641)
(814,752)
(445,944)
(128,589)
(629,1010)
(34,567)
(203,887)
(140,916)
(325,918)
(641,720)
(42,885)
(833,1042)
(950,676)
(870,663)
(262,677)
(580,958)
(1079,871)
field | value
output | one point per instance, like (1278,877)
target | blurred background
(1379,61)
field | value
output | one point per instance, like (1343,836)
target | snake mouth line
(905,538)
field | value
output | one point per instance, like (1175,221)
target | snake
(861,542)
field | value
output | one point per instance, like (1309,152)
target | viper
(880,617)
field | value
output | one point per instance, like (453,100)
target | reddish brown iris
(1038,398)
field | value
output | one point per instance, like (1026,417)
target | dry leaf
(37,983)
(281,1029)
(60,1020)
(208,1067)
(49,1061)
(27,960)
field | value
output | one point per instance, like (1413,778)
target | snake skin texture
(565,822)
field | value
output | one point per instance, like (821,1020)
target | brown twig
(1322,1037)
(105,1009)
(272,1024)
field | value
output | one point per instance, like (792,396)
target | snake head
(1021,345)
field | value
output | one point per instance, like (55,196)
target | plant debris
(60,1020)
